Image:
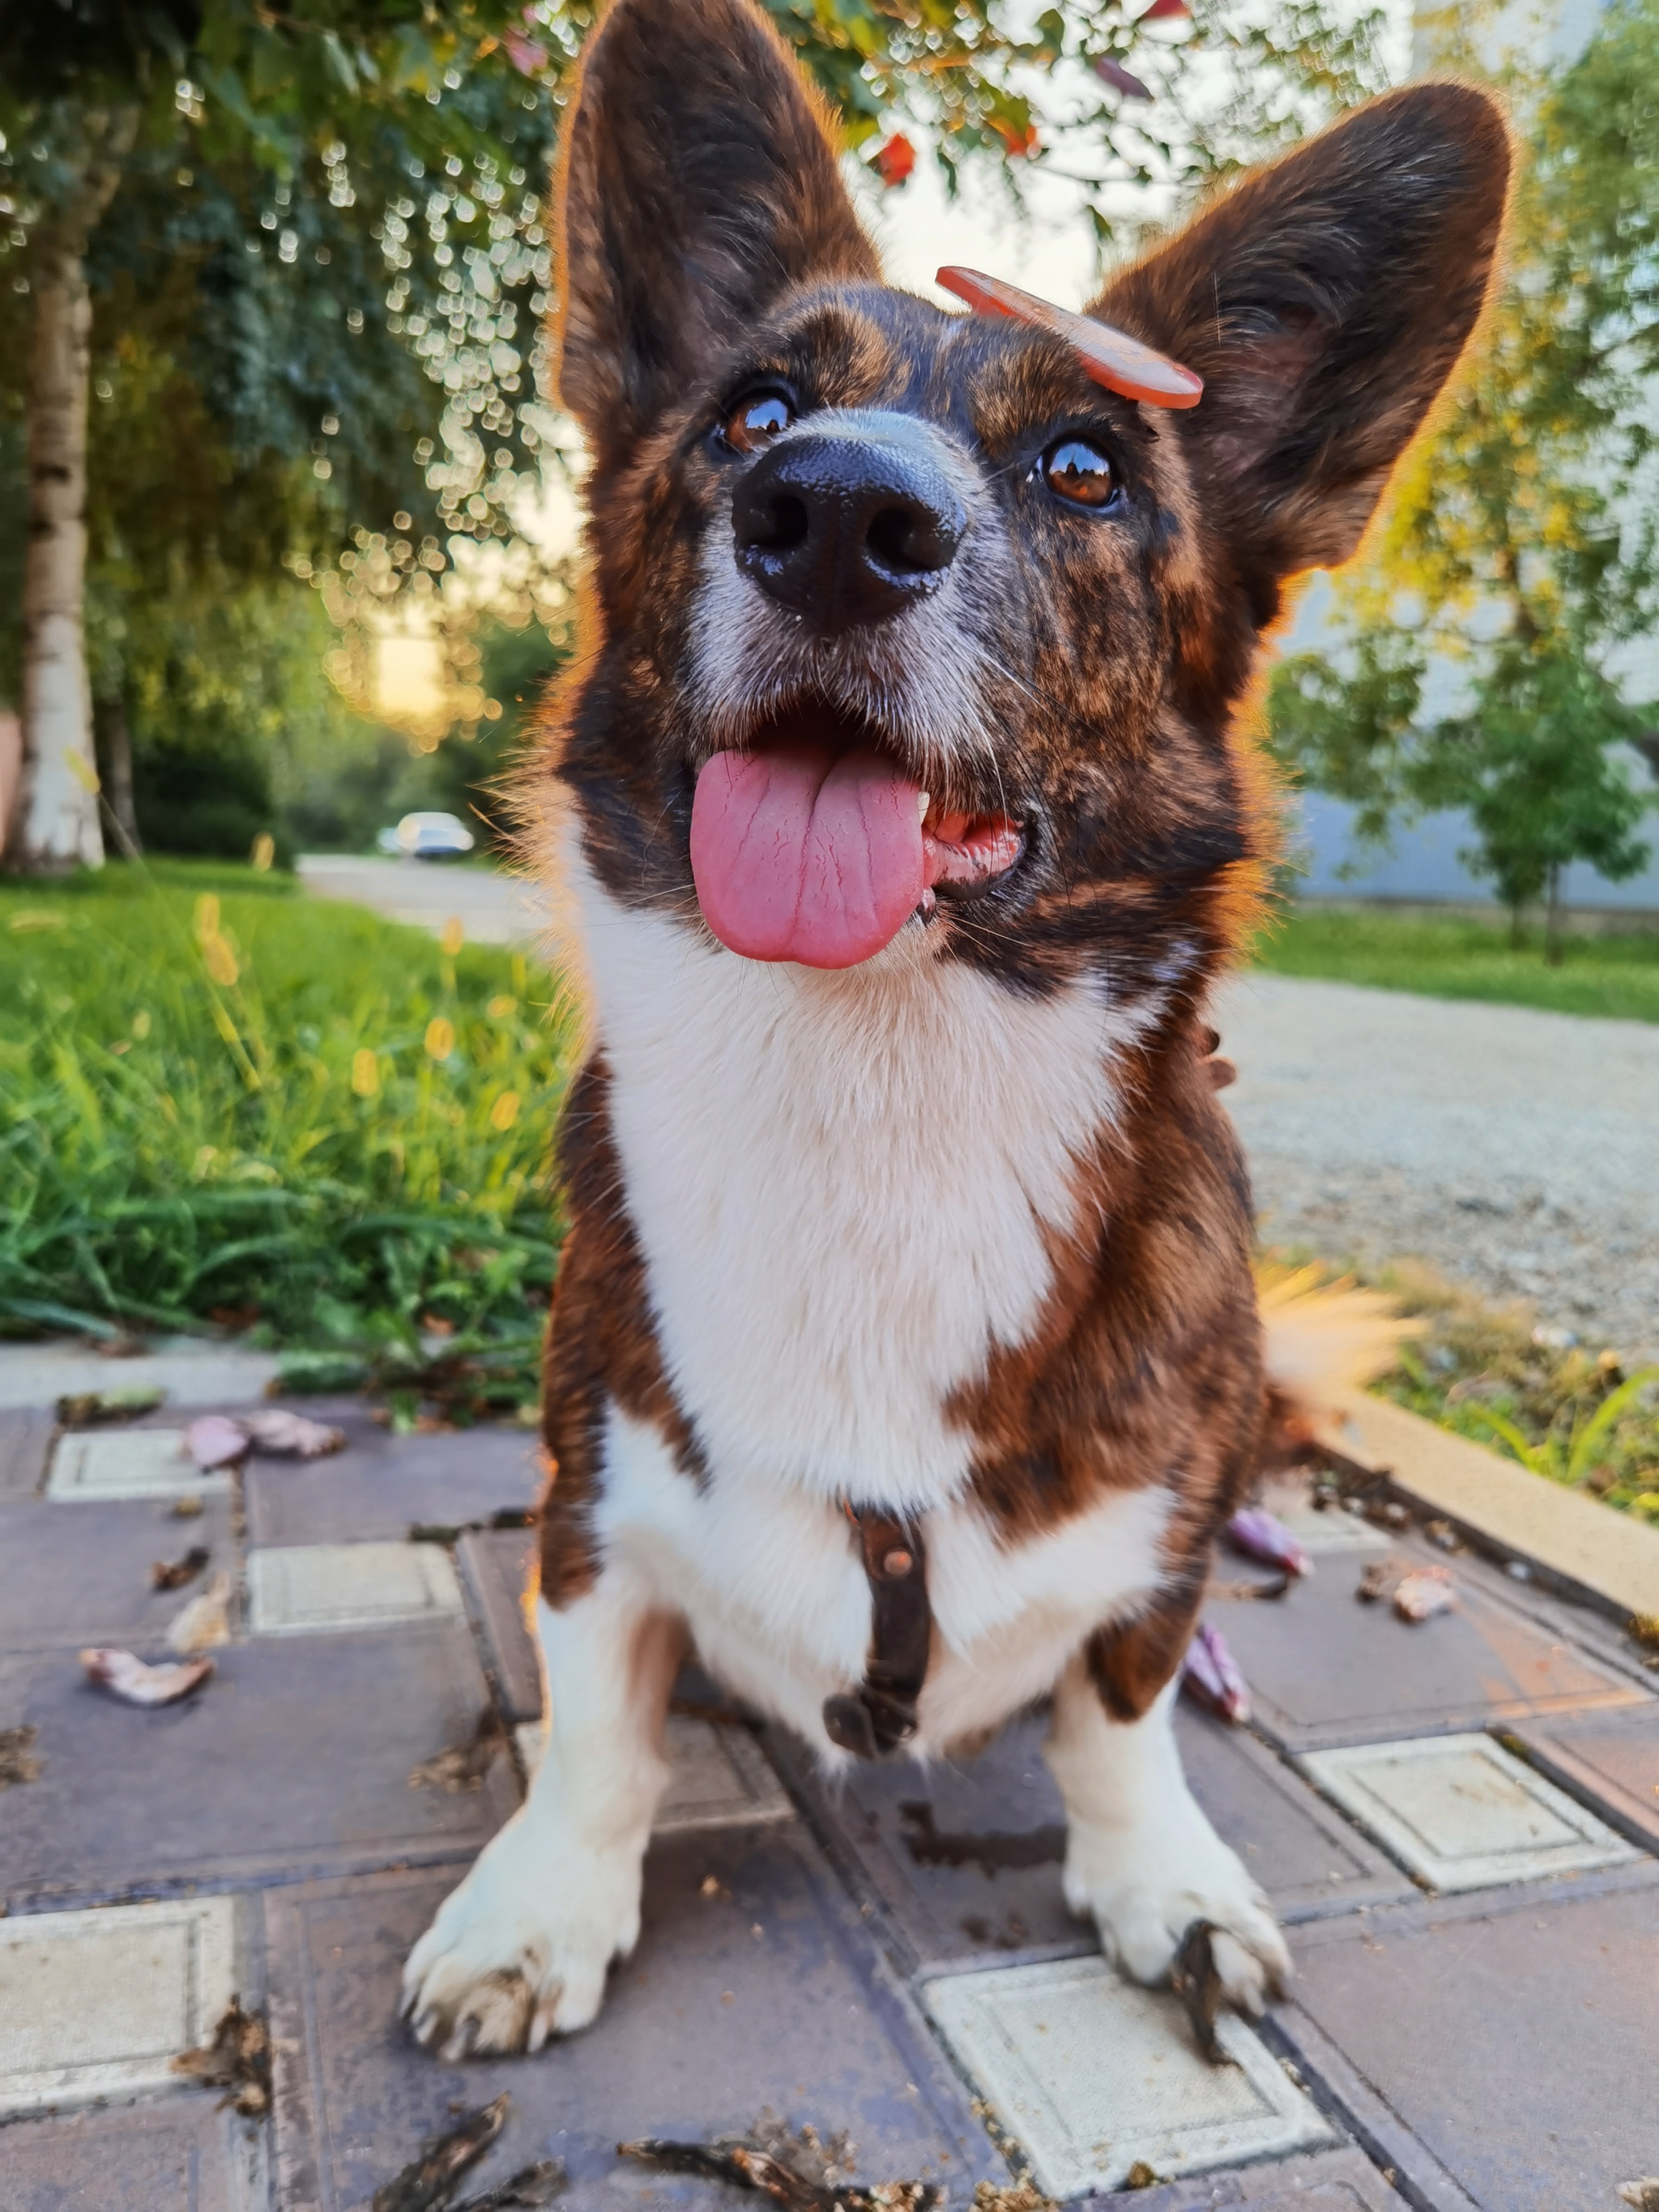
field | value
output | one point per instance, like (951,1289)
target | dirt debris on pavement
(19,1760)
(463,1765)
(175,1574)
(238,2061)
(429,2182)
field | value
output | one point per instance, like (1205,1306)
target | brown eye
(756,419)
(1079,473)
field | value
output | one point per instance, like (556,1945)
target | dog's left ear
(700,183)
(1325,302)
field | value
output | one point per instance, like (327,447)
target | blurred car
(427,837)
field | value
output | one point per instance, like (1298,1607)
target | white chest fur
(844,1185)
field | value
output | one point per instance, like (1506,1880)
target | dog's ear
(699,182)
(1325,302)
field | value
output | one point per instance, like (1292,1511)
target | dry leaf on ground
(292,1436)
(205,1621)
(463,1765)
(213,1440)
(173,1574)
(427,2182)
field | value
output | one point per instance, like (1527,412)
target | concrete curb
(1609,1559)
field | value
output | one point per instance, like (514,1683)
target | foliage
(1564,1412)
(1521,536)
(221,1098)
(1612,975)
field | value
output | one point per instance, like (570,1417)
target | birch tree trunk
(54,822)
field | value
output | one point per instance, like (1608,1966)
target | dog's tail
(1323,1338)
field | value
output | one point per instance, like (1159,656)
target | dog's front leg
(521,1950)
(1141,1858)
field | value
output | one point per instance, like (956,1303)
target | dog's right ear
(700,183)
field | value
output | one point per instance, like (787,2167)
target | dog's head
(905,631)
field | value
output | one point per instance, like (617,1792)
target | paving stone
(754,1989)
(1612,1760)
(966,1856)
(98,2004)
(495,1570)
(721,1777)
(191,1373)
(24,1439)
(1093,2076)
(110,1464)
(380,1484)
(83,1578)
(295,1759)
(1463,1813)
(308,1589)
(181,2153)
(1497,2050)
(1325,1668)
(1320,2181)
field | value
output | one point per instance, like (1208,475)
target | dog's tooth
(924,800)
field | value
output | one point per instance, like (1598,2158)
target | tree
(403,143)
(1520,540)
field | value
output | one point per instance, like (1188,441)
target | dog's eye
(755,419)
(1079,473)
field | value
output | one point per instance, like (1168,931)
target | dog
(906,1357)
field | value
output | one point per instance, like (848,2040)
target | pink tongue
(800,853)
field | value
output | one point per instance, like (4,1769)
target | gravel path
(1517,1152)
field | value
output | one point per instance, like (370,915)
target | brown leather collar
(880,1714)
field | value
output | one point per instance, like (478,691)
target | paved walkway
(493,909)
(1458,1820)
(1515,1149)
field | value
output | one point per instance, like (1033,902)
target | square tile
(1498,2049)
(70,1579)
(1325,1668)
(1611,1760)
(722,1777)
(1092,2075)
(181,2154)
(379,1484)
(755,1989)
(496,1567)
(966,1855)
(98,2004)
(1318,2181)
(310,1589)
(107,1463)
(294,1759)
(1459,1812)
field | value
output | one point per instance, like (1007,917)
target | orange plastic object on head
(1111,357)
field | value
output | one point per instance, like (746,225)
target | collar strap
(880,1714)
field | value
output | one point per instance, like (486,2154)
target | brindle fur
(714,245)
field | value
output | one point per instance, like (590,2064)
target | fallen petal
(1259,1535)
(1424,1592)
(291,1436)
(1211,1673)
(1118,77)
(1109,357)
(215,1440)
(140,1684)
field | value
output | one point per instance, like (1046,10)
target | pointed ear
(699,182)
(1325,301)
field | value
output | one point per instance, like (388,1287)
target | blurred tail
(1322,1339)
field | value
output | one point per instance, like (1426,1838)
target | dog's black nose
(846,528)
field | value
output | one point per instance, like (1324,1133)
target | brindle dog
(906,1356)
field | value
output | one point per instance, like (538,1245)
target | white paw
(1145,1886)
(519,1952)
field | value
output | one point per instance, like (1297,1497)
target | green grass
(1616,976)
(223,1102)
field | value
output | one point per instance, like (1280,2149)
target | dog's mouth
(816,844)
